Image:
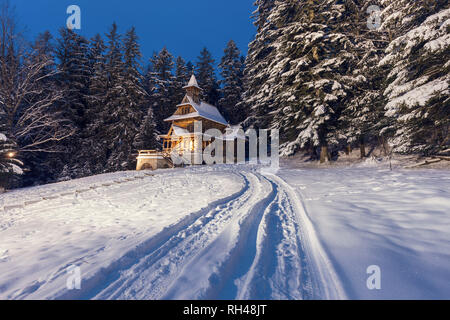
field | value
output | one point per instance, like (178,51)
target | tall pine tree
(72,54)
(124,97)
(232,84)
(182,76)
(95,144)
(147,137)
(361,119)
(296,70)
(417,74)
(206,77)
(73,67)
(257,97)
(164,104)
(121,115)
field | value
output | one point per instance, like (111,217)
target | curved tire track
(274,254)
(256,244)
(104,283)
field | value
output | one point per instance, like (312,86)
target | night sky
(183,26)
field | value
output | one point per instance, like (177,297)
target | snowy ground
(229,232)
(398,220)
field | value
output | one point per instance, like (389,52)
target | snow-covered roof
(178,131)
(210,112)
(203,110)
(193,83)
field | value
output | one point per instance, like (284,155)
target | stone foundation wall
(152,163)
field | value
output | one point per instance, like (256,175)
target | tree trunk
(348,149)
(385,147)
(313,153)
(324,157)
(362,148)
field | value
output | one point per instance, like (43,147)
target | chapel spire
(193,90)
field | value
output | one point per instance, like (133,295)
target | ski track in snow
(255,244)
(247,246)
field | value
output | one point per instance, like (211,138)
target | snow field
(397,220)
(94,227)
(230,232)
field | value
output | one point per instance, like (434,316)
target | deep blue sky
(183,26)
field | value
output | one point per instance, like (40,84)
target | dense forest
(72,107)
(325,73)
(334,75)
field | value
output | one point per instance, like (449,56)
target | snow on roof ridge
(203,109)
(192,83)
(208,111)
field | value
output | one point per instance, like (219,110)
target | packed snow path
(229,232)
(256,243)
(247,246)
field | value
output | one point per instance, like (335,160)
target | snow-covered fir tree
(231,83)
(320,74)
(150,82)
(73,75)
(303,87)
(417,64)
(147,137)
(182,76)
(262,12)
(361,117)
(164,104)
(257,97)
(123,98)
(95,143)
(113,100)
(206,77)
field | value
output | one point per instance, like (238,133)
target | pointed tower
(193,90)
